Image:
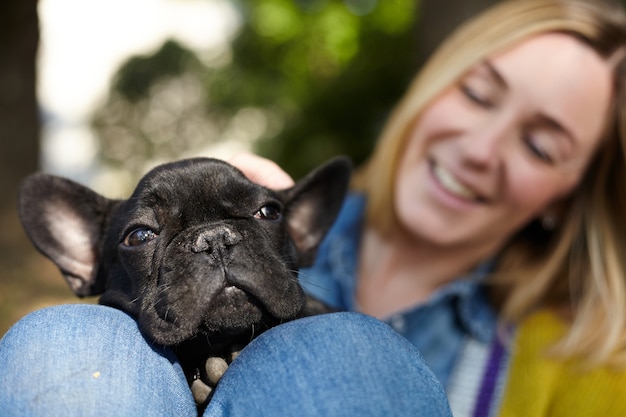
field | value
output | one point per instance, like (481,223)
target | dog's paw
(201,391)
(234,352)
(215,366)
(203,383)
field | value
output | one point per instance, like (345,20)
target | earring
(548,222)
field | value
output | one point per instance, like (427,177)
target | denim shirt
(438,327)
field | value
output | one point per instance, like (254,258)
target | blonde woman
(487,230)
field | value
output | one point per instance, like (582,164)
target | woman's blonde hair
(580,267)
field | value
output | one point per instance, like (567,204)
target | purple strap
(490,378)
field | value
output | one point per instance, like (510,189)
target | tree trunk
(19,116)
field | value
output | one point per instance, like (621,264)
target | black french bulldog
(202,257)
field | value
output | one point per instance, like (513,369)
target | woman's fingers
(262,171)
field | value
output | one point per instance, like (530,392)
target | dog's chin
(233,311)
(230,313)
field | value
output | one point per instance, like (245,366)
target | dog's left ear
(312,205)
(66,222)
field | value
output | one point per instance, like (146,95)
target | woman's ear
(552,216)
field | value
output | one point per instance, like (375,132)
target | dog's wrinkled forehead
(219,189)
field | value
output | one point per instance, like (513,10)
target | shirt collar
(467,298)
(473,308)
(468,294)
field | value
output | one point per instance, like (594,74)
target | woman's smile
(449,182)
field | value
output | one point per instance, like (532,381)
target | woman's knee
(87,360)
(335,364)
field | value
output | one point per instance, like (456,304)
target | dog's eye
(139,237)
(268,212)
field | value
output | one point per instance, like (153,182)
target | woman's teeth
(450,184)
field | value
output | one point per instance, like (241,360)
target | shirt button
(397,322)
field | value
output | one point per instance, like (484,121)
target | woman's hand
(262,171)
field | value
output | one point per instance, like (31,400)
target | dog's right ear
(66,222)
(312,205)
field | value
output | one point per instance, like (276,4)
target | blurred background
(102,90)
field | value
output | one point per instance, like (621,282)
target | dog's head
(197,248)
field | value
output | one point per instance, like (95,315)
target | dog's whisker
(252,335)
(313,284)
(207,340)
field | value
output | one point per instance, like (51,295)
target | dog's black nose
(215,240)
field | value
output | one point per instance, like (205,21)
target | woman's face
(495,150)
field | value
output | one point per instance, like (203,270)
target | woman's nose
(481,147)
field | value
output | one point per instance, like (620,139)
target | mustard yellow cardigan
(538,386)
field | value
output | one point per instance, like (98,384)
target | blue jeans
(87,360)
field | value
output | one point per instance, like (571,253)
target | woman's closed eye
(475,96)
(537,150)
(548,144)
(483,86)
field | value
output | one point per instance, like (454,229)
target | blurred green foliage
(136,77)
(311,78)
(330,69)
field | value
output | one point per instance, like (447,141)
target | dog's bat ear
(313,203)
(65,221)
